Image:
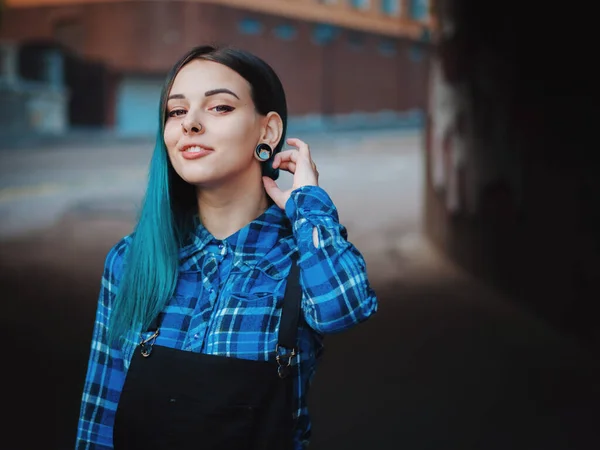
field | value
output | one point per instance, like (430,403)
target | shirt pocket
(251,303)
(258,284)
(246,321)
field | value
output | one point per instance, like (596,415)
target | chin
(200,177)
(192,175)
(197,180)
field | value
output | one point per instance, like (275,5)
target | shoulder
(113,263)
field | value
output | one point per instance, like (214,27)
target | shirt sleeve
(105,374)
(336,291)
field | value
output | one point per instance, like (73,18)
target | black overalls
(175,399)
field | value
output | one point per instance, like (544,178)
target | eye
(223,108)
(177,113)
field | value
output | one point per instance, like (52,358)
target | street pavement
(446,363)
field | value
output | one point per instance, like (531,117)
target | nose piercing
(197,128)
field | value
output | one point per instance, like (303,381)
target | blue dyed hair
(166,219)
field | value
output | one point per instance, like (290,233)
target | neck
(226,209)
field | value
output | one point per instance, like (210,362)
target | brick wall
(341,76)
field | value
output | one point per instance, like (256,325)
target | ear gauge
(263,152)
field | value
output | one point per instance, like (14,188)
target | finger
(288,167)
(288,155)
(285,156)
(300,144)
(274,192)
(295,142)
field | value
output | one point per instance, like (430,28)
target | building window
(416,53)
(419,9)
(52,66)
(391,7)
(360,4)
(250,26)
(9,65)
(324,34)
(387,47)
(425,35)
(286,32)
(356,40)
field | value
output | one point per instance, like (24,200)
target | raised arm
(337,293)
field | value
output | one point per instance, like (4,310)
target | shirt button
(221,246)
(196,336)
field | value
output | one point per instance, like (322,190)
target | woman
(190,346)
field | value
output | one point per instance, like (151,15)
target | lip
(195,155)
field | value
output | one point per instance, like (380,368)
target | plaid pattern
(228,302)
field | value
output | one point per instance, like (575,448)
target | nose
(190,126)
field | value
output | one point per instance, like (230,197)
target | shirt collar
(253,240)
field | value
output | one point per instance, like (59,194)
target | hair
(166,218)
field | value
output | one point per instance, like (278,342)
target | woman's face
(212,126)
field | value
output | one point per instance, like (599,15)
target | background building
(344,63)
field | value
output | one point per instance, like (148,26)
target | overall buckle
(284,360)
(146,344)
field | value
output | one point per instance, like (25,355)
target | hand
(297,162)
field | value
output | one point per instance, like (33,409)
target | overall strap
(288,327)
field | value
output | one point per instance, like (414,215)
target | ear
(272,129)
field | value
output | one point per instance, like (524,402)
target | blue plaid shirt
(228,302)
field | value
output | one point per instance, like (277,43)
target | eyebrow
(206,94)
(220,91)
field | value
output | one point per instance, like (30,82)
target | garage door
(137,105)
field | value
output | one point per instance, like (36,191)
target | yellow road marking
(16,192)
(11,193)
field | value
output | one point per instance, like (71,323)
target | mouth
(195,148)
(194,151)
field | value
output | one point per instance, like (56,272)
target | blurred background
(456,138)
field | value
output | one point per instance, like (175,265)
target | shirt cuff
(309,207)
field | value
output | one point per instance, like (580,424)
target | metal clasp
(283,368)
(146,345)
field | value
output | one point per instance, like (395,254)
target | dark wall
(520,207)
